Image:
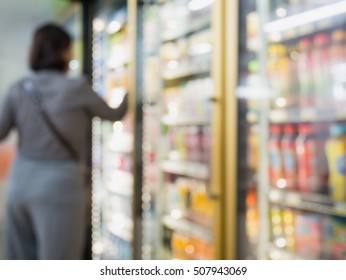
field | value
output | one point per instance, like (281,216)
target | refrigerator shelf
(187,227)
(305,22)
(122,144)
(306,115)
(318,203)
(187,75)
(185,120)
(185,168)
(122,233)
(119,67)
(126,192)
(115,27)
(276,253)
(187,33)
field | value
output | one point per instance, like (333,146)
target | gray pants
(44,210)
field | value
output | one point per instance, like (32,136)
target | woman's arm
(97,107)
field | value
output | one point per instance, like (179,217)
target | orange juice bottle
(253,148)
(279,72)
(251,223)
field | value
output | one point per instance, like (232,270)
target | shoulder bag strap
(29,86)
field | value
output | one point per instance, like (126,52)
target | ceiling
(14,12)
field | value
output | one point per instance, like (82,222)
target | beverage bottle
(180,141)
(206,144)
(304,153)
(311,159)
(288,225)
(275,158)
(277,229)
(339,239)
(289,156)
(253,148)
(321,68)
(251,222)
(338,58)
(293,56)
(327,237)
(192,143)
(336,155)
(305,76)
(279,72)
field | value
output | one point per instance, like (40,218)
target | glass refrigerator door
(113,180)
(248,96)
(177,129)
(304,137)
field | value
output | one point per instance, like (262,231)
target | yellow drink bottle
(336,156)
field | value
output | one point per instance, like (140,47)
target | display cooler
(185,213)
(292,92)
(116,145)
(159,175)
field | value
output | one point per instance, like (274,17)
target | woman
(44,195)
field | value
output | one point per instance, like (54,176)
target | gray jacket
(70,103)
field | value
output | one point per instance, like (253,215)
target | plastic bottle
(277,230)
(275,157)
(338,58)
(336,155)
(308,227)
(305,75)
(321,68)
(339,239)
(289,156)
(303,152)
(289,231)
(338,46)
(279,71)
(253,148)
(311,159)
(251,222)
(294,93)
(192,144)
(206,144)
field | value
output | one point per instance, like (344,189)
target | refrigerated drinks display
(177,91)
(301,121)
(113,142)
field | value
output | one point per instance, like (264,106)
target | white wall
(14,56)
(18,20)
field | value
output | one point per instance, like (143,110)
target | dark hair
(48,46)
